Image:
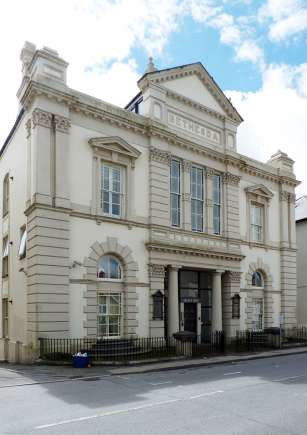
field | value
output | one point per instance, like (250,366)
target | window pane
(216,219)
(105,177)
(109,268)
(114,329)
(189,279)
(216,189)
(175,177)
(175,209)
(115,180)
(5,247)
(114,269)
(22,245)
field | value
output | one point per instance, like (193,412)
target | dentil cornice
(97,109)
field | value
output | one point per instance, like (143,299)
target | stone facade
(65,151)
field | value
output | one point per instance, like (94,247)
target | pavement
(66,372)
(265,396)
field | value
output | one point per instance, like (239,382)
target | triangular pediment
(115,144)
(260,190)
(194,83)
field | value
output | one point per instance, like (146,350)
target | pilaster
(231,285)
(173,300)
(61,158)
(41,185)
(159,192)
(217,324)
(156,274)
(231,224)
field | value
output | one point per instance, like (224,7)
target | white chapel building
(138,221)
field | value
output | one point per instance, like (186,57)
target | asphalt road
(267,396)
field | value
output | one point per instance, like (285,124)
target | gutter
(11,133)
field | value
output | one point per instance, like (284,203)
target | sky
(255,50)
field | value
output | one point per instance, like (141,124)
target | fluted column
(217,323)
(173,305)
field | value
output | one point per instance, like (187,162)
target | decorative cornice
(228,178)
(160,156)
(62,124)
(194,104)
(156,271)
(189,70)
(259,190)
(102,111)
(42,118)
(173,249)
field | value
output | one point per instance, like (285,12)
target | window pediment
(114,144)
(259,190)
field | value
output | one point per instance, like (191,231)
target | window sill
(257,244)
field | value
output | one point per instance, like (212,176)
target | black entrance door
(190,317)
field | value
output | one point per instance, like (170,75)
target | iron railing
(122,350)
(129,349)
(136,349)
(213,346)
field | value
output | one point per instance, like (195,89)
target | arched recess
(127,286)
(255,292)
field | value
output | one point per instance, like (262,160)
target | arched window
(6,193)
(257,279)
(109,268)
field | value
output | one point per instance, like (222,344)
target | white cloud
(249,51)
(288,18)
(92,34)
(275,117)
(235,32)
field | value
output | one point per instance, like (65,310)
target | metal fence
(295,336)
(122,350)
(128,349)
(214,346)
(250,341)
(136,349)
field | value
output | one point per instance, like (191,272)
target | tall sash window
(197,199)
(256,223)
(112,198)
(216,199)
(175,193)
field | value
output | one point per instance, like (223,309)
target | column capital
(174,266)
(156,270)
(219,271)
(42,118)
(61,123)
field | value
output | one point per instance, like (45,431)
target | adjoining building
(139,221)
(301,234)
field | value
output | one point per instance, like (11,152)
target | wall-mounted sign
(194,127)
